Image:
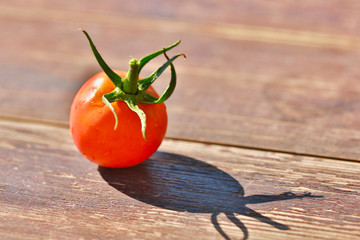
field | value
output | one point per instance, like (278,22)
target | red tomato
(92,126)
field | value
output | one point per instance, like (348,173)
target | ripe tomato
(140,114)
(92,126)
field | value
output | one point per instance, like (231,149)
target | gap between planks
(66,125)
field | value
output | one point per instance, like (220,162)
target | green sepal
(108,104)
(115,95)
(133,105)
(151,56)
(145,97)
(146,82)
(116,79)
(149,99)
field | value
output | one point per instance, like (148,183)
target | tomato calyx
(130,89)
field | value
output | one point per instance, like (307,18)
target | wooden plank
(283,87)
(186,190)
(338,17)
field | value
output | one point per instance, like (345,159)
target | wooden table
(263,139)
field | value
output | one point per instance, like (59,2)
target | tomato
(92,126)
(118,120)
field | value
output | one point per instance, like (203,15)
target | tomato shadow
(180,183)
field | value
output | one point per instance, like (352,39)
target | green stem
(132,77)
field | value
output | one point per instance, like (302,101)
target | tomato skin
(92,126)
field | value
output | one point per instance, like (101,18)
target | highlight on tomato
(118,120)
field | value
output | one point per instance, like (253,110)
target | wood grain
(272,76)
(279,76)
(49,191)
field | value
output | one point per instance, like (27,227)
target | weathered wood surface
(49,191)
(274,75)
(265,113)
